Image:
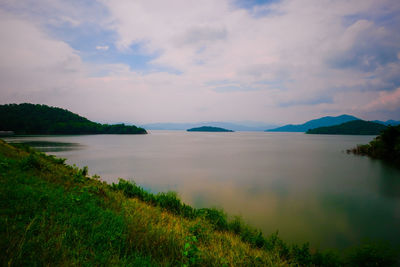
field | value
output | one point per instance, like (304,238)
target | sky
(134,61)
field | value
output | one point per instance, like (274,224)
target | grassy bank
(55,214)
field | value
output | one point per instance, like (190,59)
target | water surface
(305,186)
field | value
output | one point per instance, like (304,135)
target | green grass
(54,214)
(43,222)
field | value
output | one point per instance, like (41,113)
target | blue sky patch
(250,4)
(308,102)
(96,45)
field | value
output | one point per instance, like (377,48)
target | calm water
(305,186)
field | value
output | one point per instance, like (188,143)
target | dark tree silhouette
(41,119)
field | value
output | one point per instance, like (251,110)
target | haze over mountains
(260,126)
(241,126)
(355,127)
(42,119)
(388,122)
(321,122)
(325,122)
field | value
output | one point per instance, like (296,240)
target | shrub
(33,161)
(372,254)
(301,254)
(328,259)
(216,217)
(188,212)
(169,201)
(191,253)
(201,231)
(130,189)
(385,146)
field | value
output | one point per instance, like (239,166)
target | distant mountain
(41,119)
(356,127)
(241,126)
(208,129)
(167,126)
(388,122)
(321,122)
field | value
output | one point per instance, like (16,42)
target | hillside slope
(41,119)
(52,214)
(55,215)
(356,127)
(321,122)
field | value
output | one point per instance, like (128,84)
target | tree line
(29,118)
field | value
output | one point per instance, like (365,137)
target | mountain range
(388,122)
(321,122)
(260,126)
(355,127)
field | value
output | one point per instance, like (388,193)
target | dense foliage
(385,146)
(52,214)
(208,129)
(356,127)
(41,119)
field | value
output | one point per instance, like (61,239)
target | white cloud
(294,45)
(300,61)
(385,101)
(102,47)
(31,61)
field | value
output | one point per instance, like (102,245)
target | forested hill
(356,127)
(41,119)
(385,146)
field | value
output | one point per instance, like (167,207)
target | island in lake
(356,127)
(208,129)
(29,118)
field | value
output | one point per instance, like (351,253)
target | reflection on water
(305,186)
(47,146)
(390,182)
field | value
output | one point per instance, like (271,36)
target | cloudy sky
(203,60)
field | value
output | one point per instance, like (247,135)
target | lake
(305,186)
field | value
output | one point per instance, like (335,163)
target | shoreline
(204,226)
